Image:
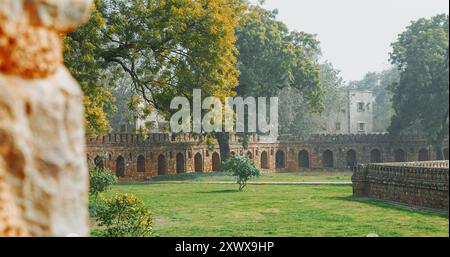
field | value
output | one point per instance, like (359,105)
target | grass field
(309,176)
(184,210)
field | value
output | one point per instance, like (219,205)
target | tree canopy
(271,58)
(422,95)
(150,51)
(166,48)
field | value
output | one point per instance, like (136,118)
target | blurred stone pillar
(43,168)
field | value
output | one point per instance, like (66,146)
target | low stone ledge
(418,184)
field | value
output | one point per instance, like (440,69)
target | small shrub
(243,168)
(100,181)
(124,215)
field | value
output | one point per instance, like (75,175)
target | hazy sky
(355,35)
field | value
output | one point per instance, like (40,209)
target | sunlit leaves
(165,49)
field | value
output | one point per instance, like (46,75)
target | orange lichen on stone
(31,52)
(11,223)
(30,45)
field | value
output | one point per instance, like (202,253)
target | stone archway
(280,160)
(328,159)
(264,160)
(375,156)
(249,155)
(198,162)
(303,159)
(216,163)
(180,163)
(399,155)
(141,164)
(120,167)
(99,162)
(162,165)
(424,155)
(351,158)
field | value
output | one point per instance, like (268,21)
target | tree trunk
(439,152)
(245,140)
(223,138)
(443,133)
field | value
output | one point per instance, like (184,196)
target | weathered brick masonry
(134,159)
(419,184)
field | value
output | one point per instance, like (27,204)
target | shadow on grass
(221,192)
(389,205)
(190,176)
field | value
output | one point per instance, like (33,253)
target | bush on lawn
(100,180)
(243,168)
(124,215)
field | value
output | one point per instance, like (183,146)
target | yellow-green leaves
(165,48)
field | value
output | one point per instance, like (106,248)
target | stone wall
(159,153)
(43,172)
(417,184)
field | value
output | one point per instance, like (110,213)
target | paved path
(321,183)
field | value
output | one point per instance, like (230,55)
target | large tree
(272,58)
(165,48)
(81,56)
(422,95)
(168,48)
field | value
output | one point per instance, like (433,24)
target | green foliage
(100,180)
(124,216)
(422,96)
(241,167)
(274,61)
(82,58)
(272,58)
(164,48)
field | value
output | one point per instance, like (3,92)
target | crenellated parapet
(417,184)
(189,153)
(162,138)
(397,165)
(159,138)
(351,138)
(131,139)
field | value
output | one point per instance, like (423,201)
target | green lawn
(185,210)
(307,176)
